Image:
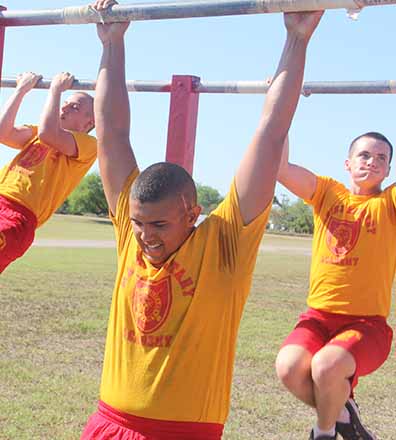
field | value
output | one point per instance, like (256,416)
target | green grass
(53,316)
(75,227)
(54,309)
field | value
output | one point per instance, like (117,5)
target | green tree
(88,197)
(208,198)
(292,217)
(301,218)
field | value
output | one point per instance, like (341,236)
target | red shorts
(367,338)
(17,227)
(109,424)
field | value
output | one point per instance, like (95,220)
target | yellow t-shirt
(40,177)
(172,331)
(354,250)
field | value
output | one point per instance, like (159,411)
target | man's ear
(347,164)
(88,126)
(193,214)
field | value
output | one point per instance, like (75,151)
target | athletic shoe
(322,437)
(354,430)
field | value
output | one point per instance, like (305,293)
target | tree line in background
(292,217)
(286,216)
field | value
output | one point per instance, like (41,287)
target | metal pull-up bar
(241,87)
(176,9)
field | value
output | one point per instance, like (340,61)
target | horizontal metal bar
(235,87)
(133,86)
(175,9)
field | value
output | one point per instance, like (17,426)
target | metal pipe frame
(236,87)
(176,9)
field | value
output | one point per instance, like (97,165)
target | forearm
(112,112)
(8,114)
(283,95)
(49,125)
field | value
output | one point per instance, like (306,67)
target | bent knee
(292,370)
(329,367)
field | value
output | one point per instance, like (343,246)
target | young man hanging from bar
(180,289)
(344,334)
(53,158)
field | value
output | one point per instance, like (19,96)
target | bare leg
(332,366)
(293,367)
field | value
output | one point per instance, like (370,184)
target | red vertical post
(2,33)
(182,125)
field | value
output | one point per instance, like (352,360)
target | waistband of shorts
(325,314)
(18,207)
(166,429)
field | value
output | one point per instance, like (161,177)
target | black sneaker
(322,437)
(354,430)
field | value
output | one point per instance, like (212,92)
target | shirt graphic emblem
(151,303)
(33,155)
(342,236)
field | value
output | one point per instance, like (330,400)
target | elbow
(112,135)
(5,134)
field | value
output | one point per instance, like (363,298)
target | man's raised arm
(112,114)
(256,176)
(50,131)
(10,135)
(295,178)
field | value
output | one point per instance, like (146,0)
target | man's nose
(147,233)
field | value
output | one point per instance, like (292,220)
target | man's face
(368,162)
(162,227)
(77,113)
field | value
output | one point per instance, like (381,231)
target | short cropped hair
(373,135)
(162,180)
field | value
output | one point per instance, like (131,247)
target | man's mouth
(153,250)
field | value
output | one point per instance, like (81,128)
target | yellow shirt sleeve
(238,242)
(86,146)
(121,220)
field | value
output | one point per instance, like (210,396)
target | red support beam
(182,125)
(2,33)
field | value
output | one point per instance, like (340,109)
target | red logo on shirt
(33,155)
(342,235)
(151,303)
(3,241)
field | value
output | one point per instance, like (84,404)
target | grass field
(53,315)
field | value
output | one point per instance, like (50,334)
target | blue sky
(224,48)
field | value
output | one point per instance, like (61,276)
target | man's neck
(357,190)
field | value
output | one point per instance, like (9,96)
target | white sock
(344,416)
(318,432)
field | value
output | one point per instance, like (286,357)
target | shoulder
(86,145)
